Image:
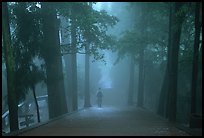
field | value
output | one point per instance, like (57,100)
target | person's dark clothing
(99,98)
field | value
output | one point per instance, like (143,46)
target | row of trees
(36,37)
(156,42)
(88,35)
(162,37)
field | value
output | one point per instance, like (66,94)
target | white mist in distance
(112,79)
(105,81)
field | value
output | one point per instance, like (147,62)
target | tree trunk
(162,107)
(143,30)
(12,97)
(163,99)
(36,103)
(140,97)
(87,102)
(131,81)
(74,61)
(52,55)
(68,81)
(65,37)
(74,83)
(177,20)
(195,58)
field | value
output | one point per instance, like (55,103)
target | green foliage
(183,10)
(27,40)
(128,44)
(36,75)
(27,36)
(91,26)
(150,32)
(187,41)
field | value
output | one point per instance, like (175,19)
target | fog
(102,57)
(104,73)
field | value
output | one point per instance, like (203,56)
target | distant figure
(99,97)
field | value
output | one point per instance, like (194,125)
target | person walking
(99,97)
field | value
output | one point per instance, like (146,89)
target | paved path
(110,121)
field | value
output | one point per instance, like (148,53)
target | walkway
(108,121)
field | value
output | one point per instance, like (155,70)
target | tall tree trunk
(74,83)
(74,61)
(131,81)
(66,39)
(143,30)
(12,97)
(163,96)
(36,103)
(177,20)
(140,100)
(195,58)
(68,81)
(163,99)
(87,102)
(55,83)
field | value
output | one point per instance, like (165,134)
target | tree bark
(131,81)
(74,61)
(66,39)
(140,100)
(12,97)
(36,103)
(163,99)
(55,83)
(87,102)
(177,20)
(140,97)
(68,82)
(195,58)
(162,107)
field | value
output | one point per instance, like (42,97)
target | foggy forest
(102,68)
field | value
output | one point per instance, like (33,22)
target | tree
(178,15)
(12,97)
(134,43)
(140,97)
(27,42)
(88,36)
(163,95)
(87,102)
(184,63)
(73,58)
(195,56)
(52,56)
(36,76)
(131,81)
(95,37)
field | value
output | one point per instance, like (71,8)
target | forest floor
(108,121)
